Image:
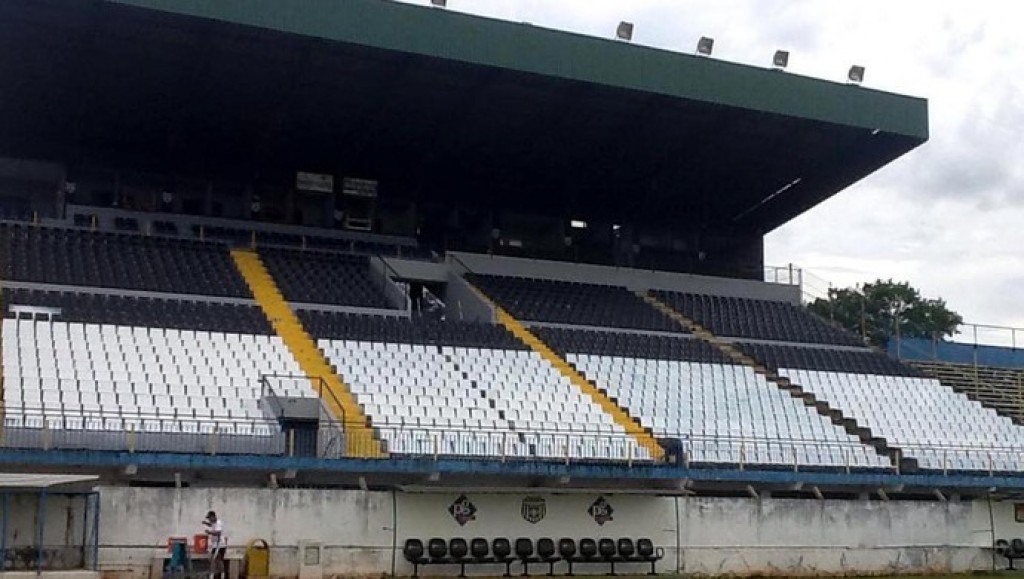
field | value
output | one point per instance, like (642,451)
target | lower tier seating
(115,378)
(724,413)
(934,424)
(475,401)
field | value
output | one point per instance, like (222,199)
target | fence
(49,531)
(569,445)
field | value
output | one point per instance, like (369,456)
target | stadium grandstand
(389,286)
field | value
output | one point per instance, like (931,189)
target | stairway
(360,440)
(849,424)
(631,425)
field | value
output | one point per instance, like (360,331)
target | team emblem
(462,510)
(534,509)
(601,510)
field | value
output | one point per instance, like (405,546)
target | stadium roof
(451,107)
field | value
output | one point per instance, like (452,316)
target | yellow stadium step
(359,437)
(621,417)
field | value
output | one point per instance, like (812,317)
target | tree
(885,308)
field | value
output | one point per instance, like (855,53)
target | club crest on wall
(462,510)
(534,509)
(601,510)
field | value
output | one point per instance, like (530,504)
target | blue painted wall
(918,349)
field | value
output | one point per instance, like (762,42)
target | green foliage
(885,308)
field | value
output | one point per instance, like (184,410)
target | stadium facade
(360,274)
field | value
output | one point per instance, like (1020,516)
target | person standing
(218,544)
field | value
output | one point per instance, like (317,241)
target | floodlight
(781,59)
(624,31)
(705,45)
(439,3)
(856,74)
(577,224)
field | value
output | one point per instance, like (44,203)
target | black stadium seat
(760,319)
(113,260)
(437,549)
(413,553)
(604,343)
(341,326)
(144,311)
(479,549)
(324,278)
(524,552)
(457,551)
(573,303)
(547,553)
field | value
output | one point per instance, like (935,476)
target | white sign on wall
(315,182)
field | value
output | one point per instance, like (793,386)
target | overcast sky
(947,216)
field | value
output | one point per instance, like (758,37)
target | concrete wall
(805,537)
(462,303)
(381,277)
(354,527)
(631,278)
(418,270)
(362,532)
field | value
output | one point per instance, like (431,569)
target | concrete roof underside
(439,106)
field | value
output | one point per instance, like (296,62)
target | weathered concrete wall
(805,537)
(362,532)
(1001,520)
(354,527)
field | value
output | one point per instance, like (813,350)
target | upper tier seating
(143,311)
(722,413)
(85,258)
(918,415)
(78,376)
(324,278)
(758,319)
(572,303)
(465,389)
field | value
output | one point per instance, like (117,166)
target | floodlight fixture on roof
(624,31)
(781,59)
(705,45)
(439,3)
(856,74)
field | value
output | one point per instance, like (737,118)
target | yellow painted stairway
(621,417)
(359,437)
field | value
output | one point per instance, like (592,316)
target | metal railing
(783,275)
(39,430)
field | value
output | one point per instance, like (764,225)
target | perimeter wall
(362,531)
